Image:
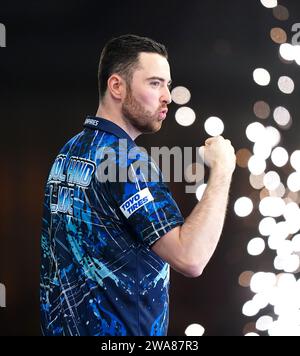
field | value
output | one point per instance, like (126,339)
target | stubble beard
(141,119)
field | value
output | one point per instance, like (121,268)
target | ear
(116,86)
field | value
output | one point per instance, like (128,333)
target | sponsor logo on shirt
(136,202)
(91,122)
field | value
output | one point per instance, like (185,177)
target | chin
(155,128)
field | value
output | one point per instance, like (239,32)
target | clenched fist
(218,153)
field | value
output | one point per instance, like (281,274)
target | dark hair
(121,55)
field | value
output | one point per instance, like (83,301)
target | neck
(115,116)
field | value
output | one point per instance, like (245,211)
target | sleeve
(145,201)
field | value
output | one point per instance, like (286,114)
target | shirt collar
(98,123)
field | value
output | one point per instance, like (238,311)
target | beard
(140,118)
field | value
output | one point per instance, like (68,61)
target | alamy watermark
(123,164)
(2,35)
(2,296)
(296,37)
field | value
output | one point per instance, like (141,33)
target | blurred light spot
(256,246)
(261,77)
(295,160)
(245,278)
(287,52)
(285,327)
(262,149)
(282,116)
(294,197)
(181,95)
(255,132)
(271,180)
(264,323)
(243,207)
(284,249)
(279,234)
(278,262)
(200,191)
(286,281)
(262,300)
(296,243)
(292,264)
(214,126)
(273,136)
(250,309)
(293,182)
(242,157)
(251,334)
(281,13)
(286,85)
(262,282)
(257,165)
(269,3)
(262,110)
(267,226)
(292,217)
(272,206)
(194,330)
(278,35)
(257,181)
(280,157)
(279,191)
(185,116)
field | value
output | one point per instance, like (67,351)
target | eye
(155,84)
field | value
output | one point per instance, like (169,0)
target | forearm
(201,231)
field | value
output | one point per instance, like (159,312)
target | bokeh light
(185,116)
(194,330)
(256,246)
(214,126)
(269,3)
(243,207)
(181,95)
(278,35)
(262,110)
(286,85)
(282,116)
(280,157)
(281,13)
(261,77)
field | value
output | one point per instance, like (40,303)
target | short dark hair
(121,55)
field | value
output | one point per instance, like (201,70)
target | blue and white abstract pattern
(98,273)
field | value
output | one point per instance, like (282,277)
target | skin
(136,108)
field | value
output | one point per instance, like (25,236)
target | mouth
(163,114)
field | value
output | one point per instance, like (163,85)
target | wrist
(221,173)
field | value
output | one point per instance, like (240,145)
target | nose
(166,96)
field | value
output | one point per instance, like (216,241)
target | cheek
(149,98)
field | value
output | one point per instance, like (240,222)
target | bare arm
(189,248)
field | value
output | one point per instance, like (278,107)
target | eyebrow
(160,79)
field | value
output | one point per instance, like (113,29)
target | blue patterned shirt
(98,273)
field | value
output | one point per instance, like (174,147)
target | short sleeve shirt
(105,206)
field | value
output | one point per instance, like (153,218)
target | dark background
(48,84)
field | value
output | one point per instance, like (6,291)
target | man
(107,243)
